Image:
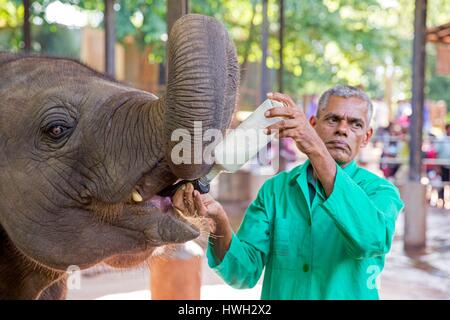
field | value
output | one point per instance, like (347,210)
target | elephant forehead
(35,68)
(37,73)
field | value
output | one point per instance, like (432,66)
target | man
(321,230)
(443,149)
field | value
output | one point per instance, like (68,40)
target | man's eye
(56,131)
(357,125)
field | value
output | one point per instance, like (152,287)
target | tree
(11,18)
(359,42)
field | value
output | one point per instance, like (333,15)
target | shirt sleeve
(366,217)
(247,255)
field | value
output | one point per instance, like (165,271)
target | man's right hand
(192,203)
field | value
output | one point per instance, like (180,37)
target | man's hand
(295,125)
(191,203)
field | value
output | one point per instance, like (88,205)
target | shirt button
(305,267)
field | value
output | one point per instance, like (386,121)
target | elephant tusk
(136,196)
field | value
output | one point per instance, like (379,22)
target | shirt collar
(310,176)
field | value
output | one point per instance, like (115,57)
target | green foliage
(11,17)
(60,41)
(326,42)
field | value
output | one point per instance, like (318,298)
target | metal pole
(281,52)
(282,159)
(175,9)
(414,191)
(110,38)
(264,38)
(418,83)
(26,26)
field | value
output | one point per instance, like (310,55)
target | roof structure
(439,34)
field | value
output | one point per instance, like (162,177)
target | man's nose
(342,128)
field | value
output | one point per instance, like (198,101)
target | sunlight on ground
(209,292)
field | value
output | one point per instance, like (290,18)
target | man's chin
(340,157)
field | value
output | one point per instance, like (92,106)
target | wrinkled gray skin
(74,144)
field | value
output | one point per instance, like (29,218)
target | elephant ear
(202,85)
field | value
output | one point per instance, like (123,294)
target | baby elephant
(83,158)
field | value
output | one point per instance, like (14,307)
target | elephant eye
(57,131)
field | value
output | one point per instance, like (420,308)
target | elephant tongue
(163,203)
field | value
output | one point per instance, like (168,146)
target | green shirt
(332,248)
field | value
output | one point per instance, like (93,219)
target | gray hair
(345,92)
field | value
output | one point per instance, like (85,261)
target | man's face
(343,127)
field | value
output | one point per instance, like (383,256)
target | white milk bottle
(244,142)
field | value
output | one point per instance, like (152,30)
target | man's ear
(313,121)
(367,137)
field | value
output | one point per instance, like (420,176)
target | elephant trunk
(202,87)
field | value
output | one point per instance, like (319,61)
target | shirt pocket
(285,248)
(281,235)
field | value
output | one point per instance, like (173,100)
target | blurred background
(398,51)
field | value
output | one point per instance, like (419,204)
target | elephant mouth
(163,224)
(153,223)
(130,231)
(164,204)
(145,196)
(156,217)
